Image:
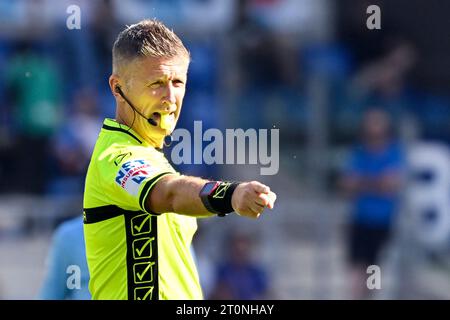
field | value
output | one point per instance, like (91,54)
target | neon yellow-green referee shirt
(133,253)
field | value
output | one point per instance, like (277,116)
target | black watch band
(216,197)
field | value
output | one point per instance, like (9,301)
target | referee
(139,213)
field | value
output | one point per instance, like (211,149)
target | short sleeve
(134,177)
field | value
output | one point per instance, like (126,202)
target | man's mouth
(164,120)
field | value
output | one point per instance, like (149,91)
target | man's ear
(114,83)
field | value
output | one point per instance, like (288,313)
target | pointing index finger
(260,188)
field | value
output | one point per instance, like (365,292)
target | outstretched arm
(180,194)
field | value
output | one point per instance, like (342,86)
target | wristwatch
(208,190)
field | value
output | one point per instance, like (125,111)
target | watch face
(208,188)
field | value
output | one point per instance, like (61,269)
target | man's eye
(178,83)
(155,84)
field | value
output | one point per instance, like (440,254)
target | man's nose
(169,95)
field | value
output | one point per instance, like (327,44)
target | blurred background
(364,123)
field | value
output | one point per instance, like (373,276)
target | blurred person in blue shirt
(373,180)
(72,145)
(67,275)
(238,277)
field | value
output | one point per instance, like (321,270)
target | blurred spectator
(67,261)
(83,54)
(73,144)
(372,180)
(386,76)
(33,88)
(238,277)
(273,87)
(103,36)
(382,81)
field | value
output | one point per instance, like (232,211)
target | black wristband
(216,196)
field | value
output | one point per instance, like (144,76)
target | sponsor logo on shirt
(132,173)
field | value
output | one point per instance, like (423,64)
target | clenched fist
(250,198)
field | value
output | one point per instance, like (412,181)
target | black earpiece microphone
(120,92)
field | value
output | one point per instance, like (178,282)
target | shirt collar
(113,125)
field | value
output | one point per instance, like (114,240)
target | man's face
(156,87)
(376,125)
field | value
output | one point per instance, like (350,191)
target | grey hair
(147,38)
